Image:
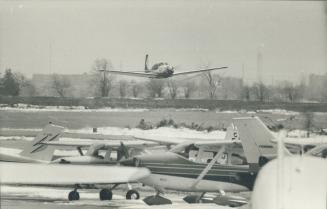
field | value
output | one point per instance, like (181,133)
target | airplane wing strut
(209,166)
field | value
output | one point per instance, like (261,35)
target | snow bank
(278,112)
(45,192)
(37,108)
(158,132)
(15,138)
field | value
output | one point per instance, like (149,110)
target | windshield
(184,149)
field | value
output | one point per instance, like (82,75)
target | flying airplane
(159,70)
(35,151)
(215,166)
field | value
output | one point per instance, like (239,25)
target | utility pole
(243,73)
(259,63)
(50,57)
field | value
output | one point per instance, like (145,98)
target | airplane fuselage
(174,172)
(83,160)
(13,155)
(162,70)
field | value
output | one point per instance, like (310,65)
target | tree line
(101,83)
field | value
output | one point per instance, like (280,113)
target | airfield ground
(77,118)
(53,198)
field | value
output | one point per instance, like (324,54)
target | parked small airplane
(41,150)
(209,166)
(35,151)
(159,70)
(74,175)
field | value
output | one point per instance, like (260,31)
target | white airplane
(35,151)
(74,175)
(291,182)
(208,166)
(159,70)
(41,150)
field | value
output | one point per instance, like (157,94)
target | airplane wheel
(105,194)
(73,195)
(132,195)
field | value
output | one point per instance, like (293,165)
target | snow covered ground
(58,196)
(38,108)
(161,133)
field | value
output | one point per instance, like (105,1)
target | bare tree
(172,87)
(188,89)
(136,88)
(260,91)
(308,122)
(155,87)
(123,85)
(60,84)
(246,91)
(102,79)
(292,92)
(324,92)
(213,84)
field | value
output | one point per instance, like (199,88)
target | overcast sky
(67,36)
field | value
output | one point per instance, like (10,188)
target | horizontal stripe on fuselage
(225,173)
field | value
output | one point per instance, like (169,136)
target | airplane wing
(163,140)
(215,145)
(106,144)
(58,174)
(139,74)
(96,136)
(305,141)
(198,71)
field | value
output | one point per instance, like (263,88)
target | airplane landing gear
(132,195)
(73,195)
(105,194)
(156,200)
(194,198)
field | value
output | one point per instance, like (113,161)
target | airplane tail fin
(146,69)
(256,140)
(39,151)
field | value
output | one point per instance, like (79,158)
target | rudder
(39,151)
(256,140)
(146,69)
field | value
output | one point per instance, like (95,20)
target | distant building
(317,85)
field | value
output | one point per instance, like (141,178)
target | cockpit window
(157,65)
(184,149)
